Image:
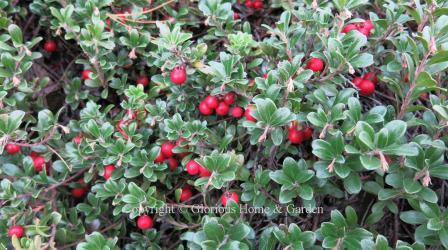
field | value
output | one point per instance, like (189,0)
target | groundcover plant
(223,124)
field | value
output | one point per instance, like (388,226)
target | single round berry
(366,88)
(160,158)
(144,222)
(77,139)
(185,194)
(85,74)
(108,171)
(193,167)
(258,5)
(295,136)
(12,148)
(349,27)
(211,101)
(39,163)
(406,78)
(357,80)
(227,196)
(236,16)
(315,64)
(178,75)
(237,112)
(222,109)
(248,114)
(368,24)
(204,109)
(249,4)
(167,149)
(143,80)
(229,98)
(18,231)
(79,192)
(371,77)
(172,163)
(203,172)
(50,46)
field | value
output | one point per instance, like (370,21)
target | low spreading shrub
(223,124)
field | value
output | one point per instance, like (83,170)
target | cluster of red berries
(255,4)
(167,154)
(212,104)
(298,135)
(365,27)
(50,46)
(366,83)
(194,168)
(315,64)
(178,75)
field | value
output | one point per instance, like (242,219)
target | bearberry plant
(223,124)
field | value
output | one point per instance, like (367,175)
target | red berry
(160,158)
(222,109)
(167,149)
(144,222)
(211,101)
(77,139)
(85,74)
(12,148)
(357,80)
(172,163)
(178,75)
(193,167)
(251,82)
(39,163)
(18,231)
(368,24)
(50,46)
(371,77)
(308,133)
(227,196)
(295,137)
(315,64)
(258,5)
(249,4)
(248,114)
(108,171)
(79,192)
(364,31)
(236,16)
(366,88)
(406,78)
(185,194)
(143,80)
(108,25)
(349,27)
(237,112)
(204,109)
(203,172)
(229,98)
(34,155)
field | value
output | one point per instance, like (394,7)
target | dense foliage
(223,124)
